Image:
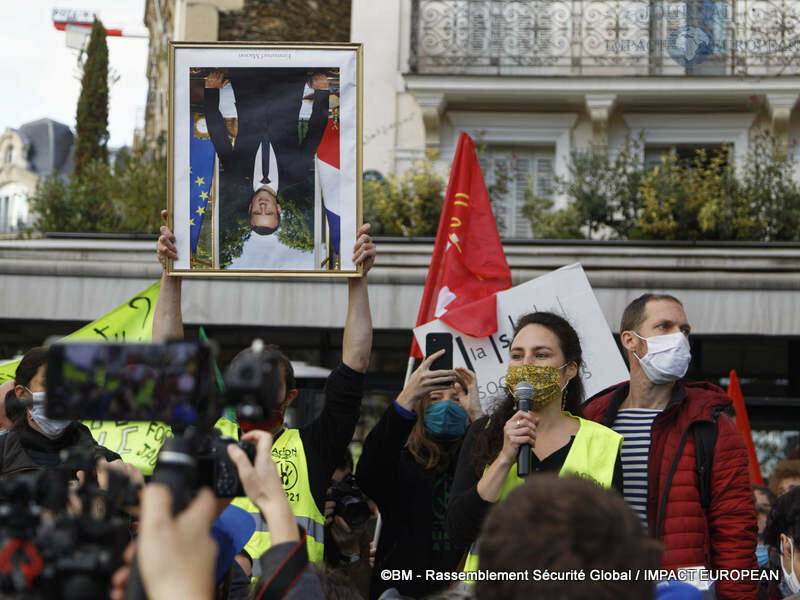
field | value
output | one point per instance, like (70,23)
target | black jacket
(25,449)
(412,501)
(268,105)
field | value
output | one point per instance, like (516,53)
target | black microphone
(524,394)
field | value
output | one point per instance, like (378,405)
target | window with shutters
(685,153)
(508,171)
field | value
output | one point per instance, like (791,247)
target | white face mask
(790,578)
(50,427)
(667,357)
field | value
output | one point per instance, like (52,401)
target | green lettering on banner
(137,443)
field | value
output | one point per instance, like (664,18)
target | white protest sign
(565,292)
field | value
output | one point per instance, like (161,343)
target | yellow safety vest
(592,456)
(290,458)
(137,442)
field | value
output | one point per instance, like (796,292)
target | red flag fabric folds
(468,266)
(743,425)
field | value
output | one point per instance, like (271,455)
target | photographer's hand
(263,486)
(176,554)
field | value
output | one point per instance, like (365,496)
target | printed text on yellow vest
(290,459)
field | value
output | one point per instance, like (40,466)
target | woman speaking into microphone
(545,359)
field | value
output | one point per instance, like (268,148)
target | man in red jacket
(655,413)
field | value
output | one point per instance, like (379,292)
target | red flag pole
(743,425)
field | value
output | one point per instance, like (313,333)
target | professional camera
(216,470)
(351,503)
(171,383)
(252,385)
(47,553)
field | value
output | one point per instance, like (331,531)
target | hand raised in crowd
(423,381)
(467,392)
(364,251)
(216,79)
(176,554)
(519,429)
(165,247)
(263,486)
(319,81)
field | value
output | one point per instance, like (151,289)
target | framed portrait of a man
(265,158)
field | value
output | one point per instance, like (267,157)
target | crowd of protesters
(648,477)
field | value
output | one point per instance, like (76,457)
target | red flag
(743,424)
(468,265)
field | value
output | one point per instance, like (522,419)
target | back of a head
(336,585)
(786,469)
(29,364)
(565,524)
(784,518)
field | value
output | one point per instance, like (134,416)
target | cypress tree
(91,127)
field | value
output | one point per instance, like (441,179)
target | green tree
(91,127)
(406,205)
(125,200)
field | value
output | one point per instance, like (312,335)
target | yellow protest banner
(136,442)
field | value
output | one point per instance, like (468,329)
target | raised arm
(357,340)
(214,82)
(167,319)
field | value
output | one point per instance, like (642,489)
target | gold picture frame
(237,213)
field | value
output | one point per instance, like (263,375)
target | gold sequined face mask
(545,382)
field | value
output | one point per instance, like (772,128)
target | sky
(39,70)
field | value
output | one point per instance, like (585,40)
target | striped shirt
(634,425)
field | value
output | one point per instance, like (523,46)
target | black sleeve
(326,438)
(287,573)
(216,124)
(617,481)
(317,122)
(376,474)
(466,509)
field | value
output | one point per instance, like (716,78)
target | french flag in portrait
(329,176)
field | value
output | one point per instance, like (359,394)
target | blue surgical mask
(446,420)
(762,555)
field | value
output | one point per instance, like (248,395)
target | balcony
(615,38)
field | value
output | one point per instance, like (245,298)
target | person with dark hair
(545,353)
(785,476)
(308,456)
(764,500)
(36,441)
(563,525)
(407,467)
(782,532)
(684,461)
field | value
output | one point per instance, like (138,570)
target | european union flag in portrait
(201,171)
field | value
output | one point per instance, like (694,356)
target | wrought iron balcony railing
(606,37)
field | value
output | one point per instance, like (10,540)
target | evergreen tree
(92,119)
